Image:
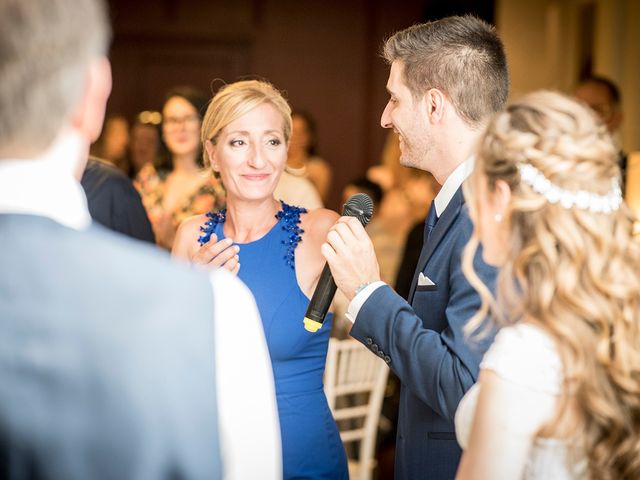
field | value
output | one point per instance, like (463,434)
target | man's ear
(88,116)
(211,154)
(435,104)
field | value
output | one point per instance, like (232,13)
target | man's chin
(406,160)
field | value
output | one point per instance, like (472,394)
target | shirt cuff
(362,296)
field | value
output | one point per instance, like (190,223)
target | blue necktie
(430,222)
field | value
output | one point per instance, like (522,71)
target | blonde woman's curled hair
(235,100)
(573,272)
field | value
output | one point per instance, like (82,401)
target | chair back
(355,381)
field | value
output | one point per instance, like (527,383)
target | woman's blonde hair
(237,99)
(572,271)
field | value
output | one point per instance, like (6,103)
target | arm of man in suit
(438,367)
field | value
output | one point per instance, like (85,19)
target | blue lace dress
(311,444)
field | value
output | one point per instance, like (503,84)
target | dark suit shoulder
(114,202)
(100,174)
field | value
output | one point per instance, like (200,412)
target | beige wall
(541,38)
(532,32)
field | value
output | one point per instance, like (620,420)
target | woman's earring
(497,217)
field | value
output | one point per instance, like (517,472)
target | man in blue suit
(447,78)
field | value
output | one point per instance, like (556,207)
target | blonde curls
(572,271)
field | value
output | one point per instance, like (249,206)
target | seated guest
(115,362)
(275,249)
(113,142)
(145,146)
(302,158)
(297,190)
(558,396)
(187,188)
(603,97)
(113,201)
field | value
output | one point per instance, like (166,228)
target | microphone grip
(321,300)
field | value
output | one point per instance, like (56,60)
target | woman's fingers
(215,253)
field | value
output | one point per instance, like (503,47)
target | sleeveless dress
(311,444)
(525,355)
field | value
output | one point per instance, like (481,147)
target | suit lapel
(444,222)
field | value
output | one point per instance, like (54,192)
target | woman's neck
(185,163)
(249,221)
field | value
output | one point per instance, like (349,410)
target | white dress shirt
(248,419)
(444,196)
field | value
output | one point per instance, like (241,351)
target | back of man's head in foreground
(51,55)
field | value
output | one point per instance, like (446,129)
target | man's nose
(385,119)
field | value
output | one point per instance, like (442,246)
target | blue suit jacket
(424,343)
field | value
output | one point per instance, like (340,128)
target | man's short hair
(462,56)
(45,49)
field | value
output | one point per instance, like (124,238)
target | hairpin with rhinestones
(567,199)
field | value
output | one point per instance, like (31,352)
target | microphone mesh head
(360,206)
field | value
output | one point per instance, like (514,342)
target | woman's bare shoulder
(187,235)
(318,221)
(193,223)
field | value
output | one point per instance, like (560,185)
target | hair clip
(581,199)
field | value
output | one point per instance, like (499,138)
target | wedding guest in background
(113,201)
(559,390)
(297,190)
(145,146)
(107,373)
(303,159)
(113,141)
(275,249)
(603,96)
(187,188)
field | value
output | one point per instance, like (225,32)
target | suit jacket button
(369,340)
(374,348)
(380,353)
(387,359)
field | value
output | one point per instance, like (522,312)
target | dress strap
(290,218)
(213,220)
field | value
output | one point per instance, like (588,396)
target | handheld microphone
(361,207)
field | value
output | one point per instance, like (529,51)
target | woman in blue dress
(275,249)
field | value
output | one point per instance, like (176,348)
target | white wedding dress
(526,355)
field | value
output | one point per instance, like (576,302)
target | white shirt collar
(46,185)
(452,184)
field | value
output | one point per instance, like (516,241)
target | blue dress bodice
(310,441)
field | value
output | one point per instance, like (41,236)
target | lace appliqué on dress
(288,216)
(213,219)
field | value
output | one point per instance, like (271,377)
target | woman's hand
(217,254)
